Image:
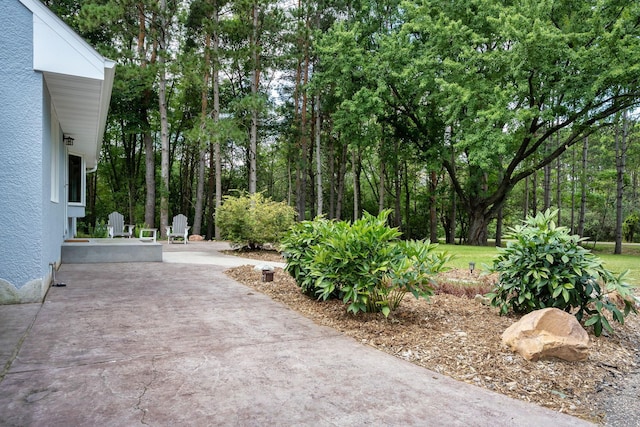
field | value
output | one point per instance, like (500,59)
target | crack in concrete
(144,391)
(16,350)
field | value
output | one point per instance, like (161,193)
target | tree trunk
(621,159)
(634,186)
(583,181)
(202,146)
(355,160)
(397,186)
(301,176)
(534,194)
(499,221)
(397,205)
(164,122)
(211,191)
(433,213)
(383,174)
(255,82)
(451,232)
(573,190)
(559,186)
(92,194)
(478,225)
(341,177)
(289,181)
(199,207)
(407,201)
(318,158)
(150,180)
(547,183)
(525,208)
(149,151)
(332,177)
(216,113)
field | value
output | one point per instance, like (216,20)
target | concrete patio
(180,343)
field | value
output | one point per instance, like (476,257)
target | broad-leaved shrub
(298,247)
(253,220)
(545,266)
(364,263)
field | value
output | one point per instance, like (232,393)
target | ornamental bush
(544,266)
(252,220)
(364,263)
(298,247)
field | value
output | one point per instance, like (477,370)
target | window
(76,180)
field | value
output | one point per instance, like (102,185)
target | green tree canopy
(508,78)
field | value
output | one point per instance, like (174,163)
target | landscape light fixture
(68,140)
(472,265)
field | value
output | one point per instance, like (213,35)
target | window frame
(82,177)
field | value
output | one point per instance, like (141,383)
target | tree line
(461,116)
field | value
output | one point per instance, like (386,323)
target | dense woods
(461,116)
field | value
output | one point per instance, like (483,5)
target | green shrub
(138,227)
(546,267)
(253,220)
(630,226)
(100,231)
(364,263)
(298,247)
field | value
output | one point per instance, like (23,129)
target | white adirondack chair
(178,229)
(117,227)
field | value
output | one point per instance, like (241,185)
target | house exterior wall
(27,243)
(54,214)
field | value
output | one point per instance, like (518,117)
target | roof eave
(69,64)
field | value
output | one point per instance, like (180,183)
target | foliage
(545,266)
(489,90)
(138,228)
(253,220)
(299,248)
(515,85)
(631,226)
(100,230)
(363,263)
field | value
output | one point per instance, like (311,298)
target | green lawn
(463,255)
(629,260)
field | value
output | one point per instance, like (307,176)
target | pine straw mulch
(455,335)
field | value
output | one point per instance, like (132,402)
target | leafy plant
(299,248)
(630,226)
(363,263)
(253,220)
(138,227)
(544,266)
(356,261)
(100,231)
(414,266)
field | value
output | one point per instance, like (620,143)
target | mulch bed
(457,336)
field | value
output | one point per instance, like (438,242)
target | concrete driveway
(179,343)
